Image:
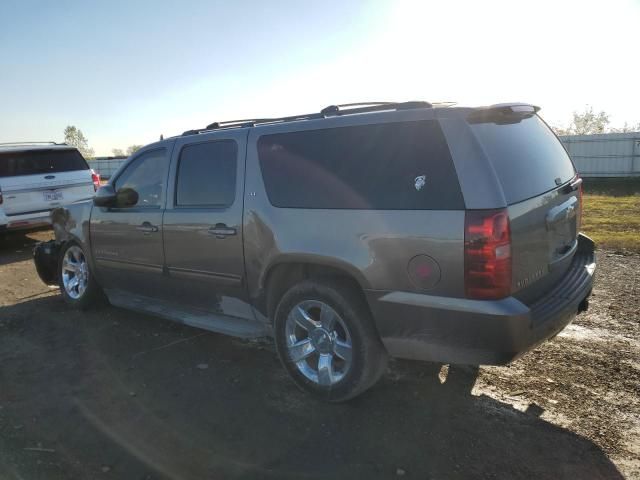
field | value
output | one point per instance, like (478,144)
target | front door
(127,240)
(202,225)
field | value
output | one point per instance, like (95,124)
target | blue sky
(126,71)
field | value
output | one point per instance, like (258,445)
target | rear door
(127,241)
(41,179)
(542,192)
(202,225)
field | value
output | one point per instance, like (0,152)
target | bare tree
(73,136)
(133,149)
(117,152)
(626,128)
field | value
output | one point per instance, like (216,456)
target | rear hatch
(38,180)
(542,191)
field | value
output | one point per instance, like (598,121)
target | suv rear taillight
(487,254)
(95,178)
(580,209)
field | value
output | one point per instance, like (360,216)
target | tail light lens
(487,254)
(95,178)
(580,208)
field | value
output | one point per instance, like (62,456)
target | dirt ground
(115,394)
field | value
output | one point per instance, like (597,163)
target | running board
(194,317)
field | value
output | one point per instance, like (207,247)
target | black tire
(368,357)
(91,296)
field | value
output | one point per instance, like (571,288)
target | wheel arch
(288,271)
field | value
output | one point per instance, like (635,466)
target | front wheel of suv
(326,340)
(77,285)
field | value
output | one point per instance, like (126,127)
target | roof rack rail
(444,103)
(331,110)
(251,122)
(31,143)
(233,123)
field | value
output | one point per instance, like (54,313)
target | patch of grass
(613,222)
(614,187)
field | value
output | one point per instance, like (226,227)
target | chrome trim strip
(146,267)
(204,275)
(47,210)
(50,187)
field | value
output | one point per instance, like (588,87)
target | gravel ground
(588,378)
(115,394)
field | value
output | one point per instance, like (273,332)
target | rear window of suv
(207,174)
(387,166)
(527,157)
(34,162)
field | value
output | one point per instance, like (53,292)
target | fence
(605,155)
(106,166)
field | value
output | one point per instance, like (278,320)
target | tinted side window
(13,164)
(207,174)
(388,166)
(147,176)
(526,156)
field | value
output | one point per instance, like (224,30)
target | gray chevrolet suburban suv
(410,230)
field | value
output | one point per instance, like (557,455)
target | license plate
(52,196)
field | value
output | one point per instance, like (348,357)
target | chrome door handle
(222,231)
(147,228)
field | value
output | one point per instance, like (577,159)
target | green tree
(117,152)
(73,136)
(133,149)
(588,122)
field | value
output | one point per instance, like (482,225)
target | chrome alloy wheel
(318,342)
(75,272)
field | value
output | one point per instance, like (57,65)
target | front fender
(71,223)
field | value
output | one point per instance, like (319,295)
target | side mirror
(126,197)
(105,197)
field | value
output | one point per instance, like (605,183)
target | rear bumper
(454,330)
(24,221)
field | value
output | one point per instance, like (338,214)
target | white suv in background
(37,177)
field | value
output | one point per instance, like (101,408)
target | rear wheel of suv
(326,340)
(77,285)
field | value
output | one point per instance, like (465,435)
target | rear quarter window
(389,166)
(527,157)
(13,164)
